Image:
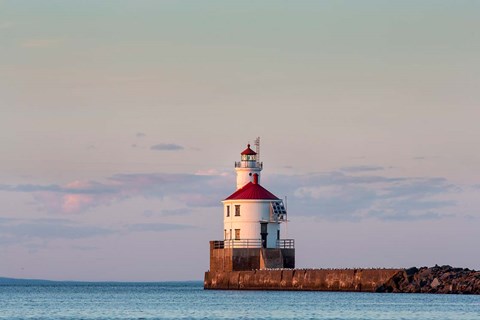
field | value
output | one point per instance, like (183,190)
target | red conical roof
(248,151)
(252,191)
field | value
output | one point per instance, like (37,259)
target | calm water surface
(188,300)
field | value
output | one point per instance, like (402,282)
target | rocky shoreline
(437,279)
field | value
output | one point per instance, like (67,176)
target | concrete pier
(361,280)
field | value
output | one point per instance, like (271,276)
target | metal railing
(286,243)
(251,243)
(248,164)
(244,243)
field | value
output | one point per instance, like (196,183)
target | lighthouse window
(237,210)
(237,234)
(228,211)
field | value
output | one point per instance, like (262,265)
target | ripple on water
(188,300)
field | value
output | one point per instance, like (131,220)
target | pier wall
(366,280)
(246,259)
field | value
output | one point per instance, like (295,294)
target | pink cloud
(78,196)
(76,202)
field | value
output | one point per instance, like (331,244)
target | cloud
(425,158)
(79,196)
(4,220)
(176,212)
(341,196)
(20,230)
(168,212)
(157,227)
(211,172)
(335,202)
(74,187)
(73,197)
(335,195)
(356,169)
(83,248)
(203,199)
(167,147)
(414,187)
(407,216)
(140,135)
(332,178)
(29,188)
(29,232)
(40,43)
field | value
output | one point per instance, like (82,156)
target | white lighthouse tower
(252,216)
(247,167)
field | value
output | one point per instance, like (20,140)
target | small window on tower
(228,211)
(237,210)
(237,234)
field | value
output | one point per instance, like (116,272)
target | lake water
(188,300)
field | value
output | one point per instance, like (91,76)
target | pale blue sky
(120,122)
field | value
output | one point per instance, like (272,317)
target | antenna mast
(257,148)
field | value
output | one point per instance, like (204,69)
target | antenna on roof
(257,148)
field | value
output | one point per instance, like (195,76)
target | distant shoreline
(21,281)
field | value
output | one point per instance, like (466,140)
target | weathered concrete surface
(271,259)
(367,280)
(246,259)
(236,259)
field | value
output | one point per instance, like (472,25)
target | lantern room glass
(249,157)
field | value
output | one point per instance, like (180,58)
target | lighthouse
(252,217)
(247,166)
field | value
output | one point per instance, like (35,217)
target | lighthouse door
(264,233)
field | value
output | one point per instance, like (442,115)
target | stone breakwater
(444,279)
(437,279)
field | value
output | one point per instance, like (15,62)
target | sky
(120,122)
